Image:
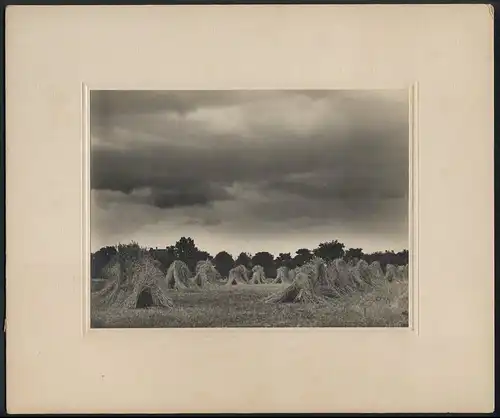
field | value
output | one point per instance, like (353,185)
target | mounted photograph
(249,208)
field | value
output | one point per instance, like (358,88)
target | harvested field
(242,305)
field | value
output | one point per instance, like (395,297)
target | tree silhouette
(330,250)
(303,255)
(128,253)
(284,259)
(203,255)
(403,256)
(165,256)
(223,262)
(400,258)
(244,259)
(353,254)
(186,250)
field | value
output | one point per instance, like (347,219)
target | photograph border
(412,237)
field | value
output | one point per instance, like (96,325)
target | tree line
(186,250)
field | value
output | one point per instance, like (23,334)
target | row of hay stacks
(139,282)
(318,280)
(396,272)
(143,275)
(305,288)
(179,276)
(240,275)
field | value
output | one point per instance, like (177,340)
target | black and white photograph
(249,208)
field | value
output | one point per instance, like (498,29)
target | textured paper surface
(443,54)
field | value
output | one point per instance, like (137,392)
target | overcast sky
(250,170)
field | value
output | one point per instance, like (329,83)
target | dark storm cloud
(352,173)
(199,194)
(167,193)
(342,171)
(174,198)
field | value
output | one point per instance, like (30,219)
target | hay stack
(362,274)
(117,274)
(112,269)
(237,275)
(206,274)
(148,286)
(391,273)
(306,287)
(403,272)
(113,281)
(258,275)
(332,273)
(139,285)
(376,270)
(352,262)
(341,276)
(178,276)
(345,279)
(283,275)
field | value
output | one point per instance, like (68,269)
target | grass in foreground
(386,305)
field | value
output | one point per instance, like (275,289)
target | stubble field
(384,305)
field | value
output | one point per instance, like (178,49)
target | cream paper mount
(442,363)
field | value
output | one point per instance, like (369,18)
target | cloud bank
(250,170)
